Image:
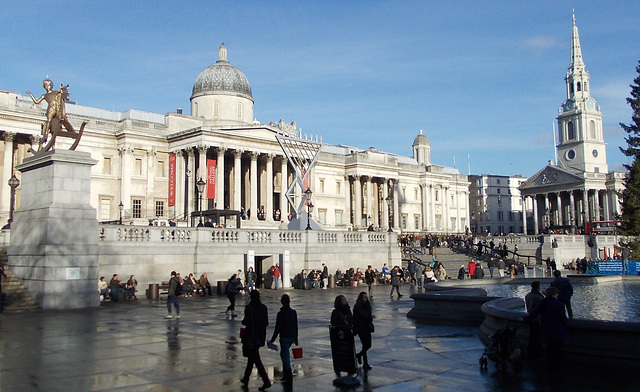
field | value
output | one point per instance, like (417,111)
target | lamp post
(389,201)
(121,207)
(13,183)
(200,187)
(307,197)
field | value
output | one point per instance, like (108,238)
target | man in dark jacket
(255,320)
(396,275)
(565,291)
(479,271)
(174,285)
(287,328)
(325,276)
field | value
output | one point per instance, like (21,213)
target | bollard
(154,291)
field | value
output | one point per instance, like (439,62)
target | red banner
(172,180)
(211,178)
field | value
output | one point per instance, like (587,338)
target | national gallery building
(157,167)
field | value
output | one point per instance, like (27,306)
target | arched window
(571,134)
(560,135)
(584,86)
(571,88)
(592,129)
(195,109)
(578,86)
(239,110)
(216,109)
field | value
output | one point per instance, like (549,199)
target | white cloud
(541,43)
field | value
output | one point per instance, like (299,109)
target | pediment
(551,177)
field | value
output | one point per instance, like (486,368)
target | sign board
(73,273)
(610,267)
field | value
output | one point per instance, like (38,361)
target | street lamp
(307,197)
(13,183)
(389,201)
(121,207)
(200,186)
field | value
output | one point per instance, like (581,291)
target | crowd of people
(117,290)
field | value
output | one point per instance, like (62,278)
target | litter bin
(154,291)
(332,282)
(222,287)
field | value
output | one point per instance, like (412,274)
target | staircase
(451,260)
(15,298)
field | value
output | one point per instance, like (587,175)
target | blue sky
(481,79)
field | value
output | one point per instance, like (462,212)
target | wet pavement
(130,346)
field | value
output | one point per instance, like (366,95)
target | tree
(631,194)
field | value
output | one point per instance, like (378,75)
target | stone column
(396,206)
(445,208)
(180,179)
(523,200)
(151,207)
(126,166)
(572,209)
(7,172)
(560,214)
(202,174)
(54,241)
(458,220)
(536,229)
(253,186)
(284,204)
(385,207)
(357,205)
(237,175)
(596,204)
(219,199)
(368,198)
(605,207)
(269,207)
(192,193)
(586,206)
(432,207)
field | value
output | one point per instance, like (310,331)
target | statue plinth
(54,241)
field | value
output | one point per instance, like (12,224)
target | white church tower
(581,143)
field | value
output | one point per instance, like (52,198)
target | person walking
(369,279)
(396,275)
(287,328)
(325,277)
(233,287)
(461,272)
(501,267)
(565,291)
(174,291)
(363,327)
(532,300)
(250,279)
(256,320)
(419,276)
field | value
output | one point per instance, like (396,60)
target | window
(570,132)
(105,209)
(404,193)
(498,181)
(500,216)
(437,195)
(136,208)
(159,208)
(592,129)
(404,221)
(322,216)
(239,110)
(579,86)
(216,109)
(338,187)
(498,190)
(415,194)
(416,221)
(106,165)
(321,186)
(137,169)
(160,169)
(453,200)
(338,217)
(195,109)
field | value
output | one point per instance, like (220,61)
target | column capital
(220,151)
(125,149)
(202,148)
(151,151)
(9,136)
(237,154)
(268,157)
(190,152)
(253,155)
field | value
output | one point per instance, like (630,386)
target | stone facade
(135,152)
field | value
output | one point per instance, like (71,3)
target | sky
(483,80)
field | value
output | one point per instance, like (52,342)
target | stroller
(504,348)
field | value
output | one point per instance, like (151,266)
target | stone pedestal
(54,234)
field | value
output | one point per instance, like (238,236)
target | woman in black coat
(363,326)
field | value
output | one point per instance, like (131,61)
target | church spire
(576,64)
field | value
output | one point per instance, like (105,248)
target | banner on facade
(172,180)
(211,178)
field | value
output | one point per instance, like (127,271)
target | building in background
(149,165)
(579,188)
(495,204)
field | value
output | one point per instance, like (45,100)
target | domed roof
(222,77)
(421,140)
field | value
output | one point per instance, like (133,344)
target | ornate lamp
(121,207)
(307,197)
(389,201)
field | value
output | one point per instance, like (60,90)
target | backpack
(178,286)
(231,288)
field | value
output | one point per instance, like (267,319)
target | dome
(222,78)
(421,140)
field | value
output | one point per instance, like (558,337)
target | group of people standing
(360,322)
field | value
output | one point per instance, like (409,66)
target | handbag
(372,329)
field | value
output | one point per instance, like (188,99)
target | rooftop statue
(56,118)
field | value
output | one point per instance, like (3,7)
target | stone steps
(15,298)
